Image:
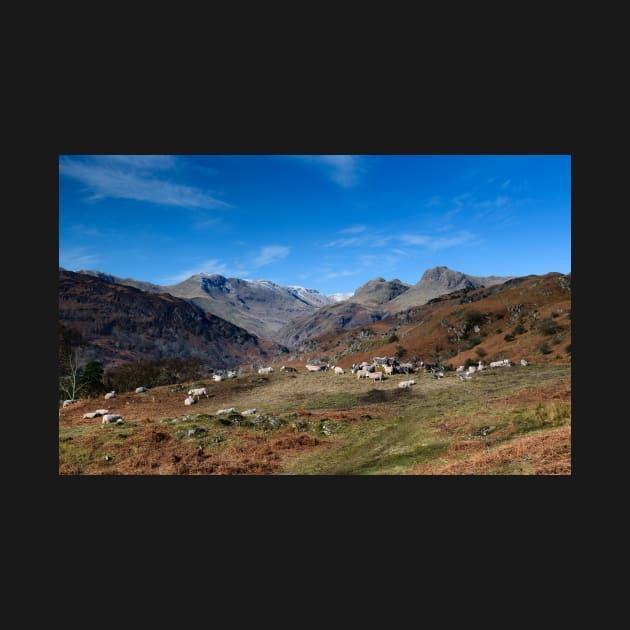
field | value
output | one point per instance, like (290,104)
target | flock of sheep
(361,370)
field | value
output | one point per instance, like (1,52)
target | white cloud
(434,243)
(344,170)
(343,273)
(506,183)
(77,258)
(132,177)
(271,253)
(353,229)
(85,230)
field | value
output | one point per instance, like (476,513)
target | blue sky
(327,222)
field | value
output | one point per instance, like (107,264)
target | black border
(367,123)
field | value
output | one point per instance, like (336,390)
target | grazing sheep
(69,402)
(198,392)
(190,401)
(460,368)
(89,415)
(249,412)
(101,412)
(313,368)
(217,377)
(523,362)
(338,370)
(472,369)
(230,410)
(111,418)
(110,395)
(139,390)
(265,370)
(406,384)
(287,369)
(232,374)
(376,376)
(363,374)
(389,369)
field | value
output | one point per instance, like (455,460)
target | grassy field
(504,421)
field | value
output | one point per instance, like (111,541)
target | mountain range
(291,314)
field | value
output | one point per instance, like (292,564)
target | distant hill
(261,307)
(438,281)
(123,323)
(376,299)
(379,291)
(526,317)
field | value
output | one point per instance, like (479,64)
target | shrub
(568,349)
(544,348)
(393,338)
(519,330)
(508,337)
(481,353)
(548,327)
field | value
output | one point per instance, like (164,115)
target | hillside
(122,323)
(261,307)
(514,421)
(524,318)
(373,301)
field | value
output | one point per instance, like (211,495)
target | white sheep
(111,418)
(230,410)
(363,374)
(375,376)
(265,370)
(339,370)
(198,392)
(406,384)
(523,362)
(313,368)
(70,401)
(139,390)
(249,412)
(217,377)
(110,395)
(287,369)
(190,401)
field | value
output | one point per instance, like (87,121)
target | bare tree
(70,383)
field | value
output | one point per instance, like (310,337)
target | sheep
(376,376)
(437,375)
(217,377)
(70,401)
(232,374)
(265,370)
(98,412)
(190,401)
(460,368)
(523,362)
(112,418)
(313,368)
(363,374)
(389,369)
(230,410)
(406,384)
(464,377)
(139,390)
(338,370)
(472,369)
(198,392)
(110,395)
(249,412)
(287,369)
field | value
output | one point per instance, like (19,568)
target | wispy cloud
(207,266)
(271,253)
(341,273)
(85,230)
(435,243)
(506,183)
(77,258)
(135,178)
(344,170)
(353,229)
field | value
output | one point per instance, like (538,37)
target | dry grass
(547,453)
